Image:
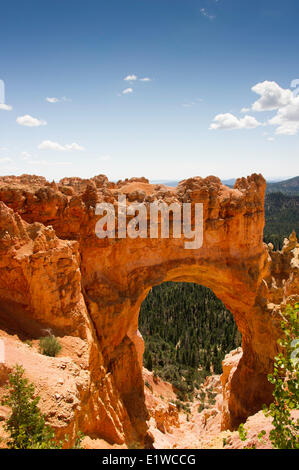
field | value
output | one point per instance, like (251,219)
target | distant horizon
(156,181)
(268,179)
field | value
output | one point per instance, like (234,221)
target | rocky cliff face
(55,273)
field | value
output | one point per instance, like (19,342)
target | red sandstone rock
(54,272)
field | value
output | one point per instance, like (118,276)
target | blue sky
(196,114)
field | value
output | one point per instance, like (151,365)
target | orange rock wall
(54,272)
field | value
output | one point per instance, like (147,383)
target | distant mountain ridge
(288,187)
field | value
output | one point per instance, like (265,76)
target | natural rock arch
(231,262)
(109,278)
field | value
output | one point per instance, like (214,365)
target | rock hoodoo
(55,273)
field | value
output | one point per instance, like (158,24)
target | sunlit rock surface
(55,273)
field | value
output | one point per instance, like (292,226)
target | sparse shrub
(148,385)
(155,376)
(201,408)
(212,401)
(242,432)
(253,446)
(28,342)
(187,409)
(181,395)
(49,346)
(285,379)
(226,441)
(26,424)
(261,435)
(181,406)
(78,441)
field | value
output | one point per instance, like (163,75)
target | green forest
(282,216)
(187,330)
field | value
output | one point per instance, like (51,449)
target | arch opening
(187,332)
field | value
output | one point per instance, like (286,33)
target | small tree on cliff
(285,378)
(26,424)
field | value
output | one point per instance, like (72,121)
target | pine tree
(26,424)
(149,362)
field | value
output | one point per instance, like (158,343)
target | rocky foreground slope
(56,274)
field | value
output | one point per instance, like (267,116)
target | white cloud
(272,96)
(205,13)
(5,107)
(57,100)
(50,145)
(5,160)
(288,128)
(74,146)
(127,90)
(287,118)
(270,139)
(145,79)
(30,121)
(228,121)
(52,100)
(130,78)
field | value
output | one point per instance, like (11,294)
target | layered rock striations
(56,273)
